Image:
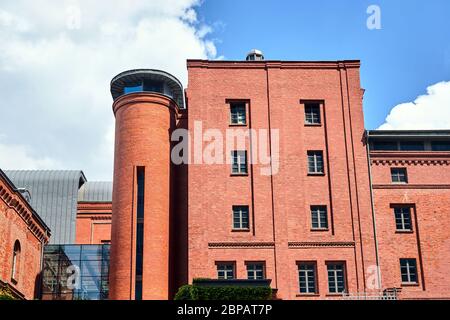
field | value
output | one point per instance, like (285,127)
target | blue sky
(409,53)
(57,59)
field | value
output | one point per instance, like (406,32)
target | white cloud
(56,62)
(427,112)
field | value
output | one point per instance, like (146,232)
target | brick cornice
(295,245)
(240,245)
(24,210)
(411,186)
(273,64)
(416,161)
(94,206)
(144,98)
(409,158)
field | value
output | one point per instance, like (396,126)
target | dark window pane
(385,145)
(403,218)
(238,113)
(307,277)
(440,145)
(239,162)
(399,175)
(312,113)
(315,162)
(408,270)
(412,146)
(336,278)
(319,217)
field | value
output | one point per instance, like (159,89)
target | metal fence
(388,294)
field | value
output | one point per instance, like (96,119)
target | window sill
(410,284)
(404,231)
(238,124)
(399,183)
(312,174)
(240,230)
(313,124)
(335,294)
(320,230)
(307,295)
(239,175)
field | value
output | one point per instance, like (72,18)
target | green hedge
(194,292)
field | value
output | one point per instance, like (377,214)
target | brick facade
(21,227)
(93,223)
(188,208)
(427,193)
(280,204)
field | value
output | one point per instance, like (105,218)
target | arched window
(16,261)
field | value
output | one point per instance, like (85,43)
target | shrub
(184,293)
(5,294)
(196,292)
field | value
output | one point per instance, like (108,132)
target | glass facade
(75,272)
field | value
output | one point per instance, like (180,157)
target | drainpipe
(367,135)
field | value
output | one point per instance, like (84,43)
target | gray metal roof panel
(95,191)
(54,194)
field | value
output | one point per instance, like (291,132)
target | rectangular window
(440,145)
(307,277)
(239,162)
(238,114)
(255,271)
(385,145)
(139,231)
(315,162)
(336,277)
(319,217)
(399,175)
(403,218)
(312,113)
(408,269)
(412,146)
(240,218)
(225,271)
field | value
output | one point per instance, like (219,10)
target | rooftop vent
(255,55)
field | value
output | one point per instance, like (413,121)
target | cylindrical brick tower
(145,103)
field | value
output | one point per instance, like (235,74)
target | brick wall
(18,223)
(280,204)
(428,194)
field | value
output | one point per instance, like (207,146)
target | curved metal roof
(95,191)
(134,76)
(54,195)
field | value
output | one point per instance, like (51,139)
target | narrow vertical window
(255,271)
(315,162)
(307,277)
(16,261)
(140,174)
(238,162)
(403,218)
(225,271)
(408,269)
(336,277)
(238,114)
(312,113)
(240,218)
(398,175)
(319,219)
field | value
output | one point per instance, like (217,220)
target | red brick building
(317,225)
(411,190)
(258,170)
(22,240)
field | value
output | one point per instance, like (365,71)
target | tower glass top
(147,80)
